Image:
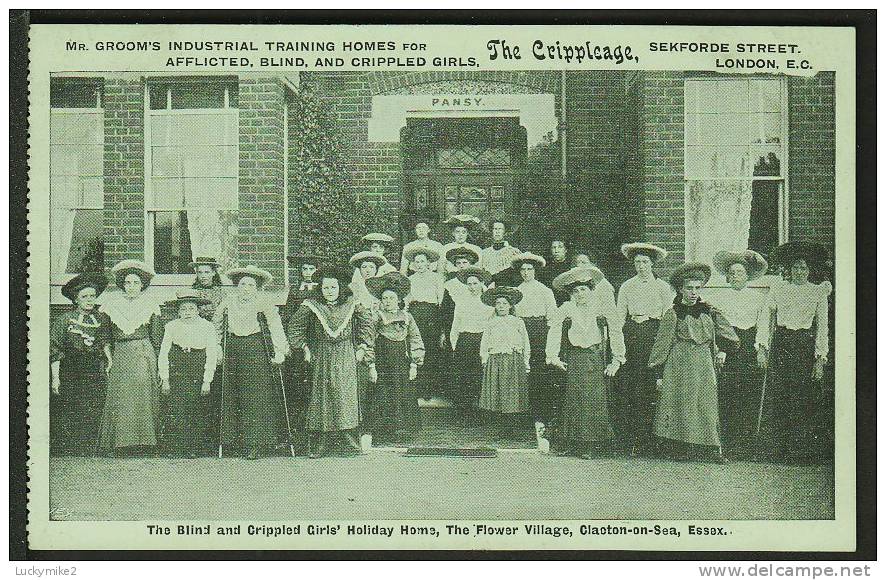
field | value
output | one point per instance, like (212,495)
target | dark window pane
(158,96)
(172,242)
(87,252)
(74,93)
(198,96)
(763,235)
(767,164)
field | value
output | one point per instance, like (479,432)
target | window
(735,165)
(193,160)
(76,181)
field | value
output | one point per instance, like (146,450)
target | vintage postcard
(441,287)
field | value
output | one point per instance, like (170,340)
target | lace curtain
(718,217)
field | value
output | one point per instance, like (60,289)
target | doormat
(482,452)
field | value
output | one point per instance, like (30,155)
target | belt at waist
(187,348)
(131,338)
(534,317)
(786,330)
(244,335)
(641,318)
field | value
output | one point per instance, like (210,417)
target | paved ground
(387,485)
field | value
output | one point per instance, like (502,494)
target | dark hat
(477,271)
(367,256)
(578,276)
(260,276)
(815,255)
(204,261)
(125,267)
(377,237)
(462,219)
(411,252)
(183,296)
(300,259)
(512,295)
(343,275)
(690,270)
(528,258)
(95,280)
(754,263)
(654,252)
(462,252)
(391,281)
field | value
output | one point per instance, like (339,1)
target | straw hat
(654,252)
(123,268)
(462,252)
(410,253)
(95,280)
(260,276)
(391,281)
(462,219)
(528,257)
(754,263)
(578,276)
(377,237)
(463,275)
(690,269)
(183,296)
(204,261)
(367,256)
(512,295)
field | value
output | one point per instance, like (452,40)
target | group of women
(494,332)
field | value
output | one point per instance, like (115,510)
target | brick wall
(124,168)
(811,169)
(261,214)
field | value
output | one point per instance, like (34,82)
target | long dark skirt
(792,397)
(251,401)
(427,318)
(395,402)
(466,370)
(334,403)
(184,426)
(634,395)
(131,414)
(76,411)
(585,412)
(741,381)
(542,396)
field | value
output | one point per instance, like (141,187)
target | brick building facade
(166,168)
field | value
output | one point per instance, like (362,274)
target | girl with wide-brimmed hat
(462,225)
(398,353)
(380,243)
(496,259)
(186,366)
(684,357)
(79,354)
(366,265)
(642,301)
(577,345)
(334,332)
(740,380)
(538,310)
(792,342)
(424,302)
(469,316)
(254,346)
(132,406)
(504,353)
(422,241)
(208,283)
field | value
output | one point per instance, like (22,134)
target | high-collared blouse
(240,317)
(644,298)
(584,329)
(424,244)
(426,287)
(496,259)
(397,327)
(741,308)
(699,324)
(450,267)
(538,300)
(189,334)
(471,314)
(502,335)
(77,333)
(796,307)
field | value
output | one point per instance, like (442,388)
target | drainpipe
(563,124)
(285,189)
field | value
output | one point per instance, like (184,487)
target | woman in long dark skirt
(796,357)
(469,319)
(577,345)
(79,353)
(398,353)
(642,300)
(423,303)
(188,356)
(740,381)
(254,344)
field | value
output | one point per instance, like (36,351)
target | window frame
(149,208)
(784,179)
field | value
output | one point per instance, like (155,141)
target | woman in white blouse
(740,381)
(795,352)
(469,320)
(253,342)
(423,303)
(576,344)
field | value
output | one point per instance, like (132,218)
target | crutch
(282,386)
(221,409)
(766,374)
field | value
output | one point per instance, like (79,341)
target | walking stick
(282,385)
(771,324)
